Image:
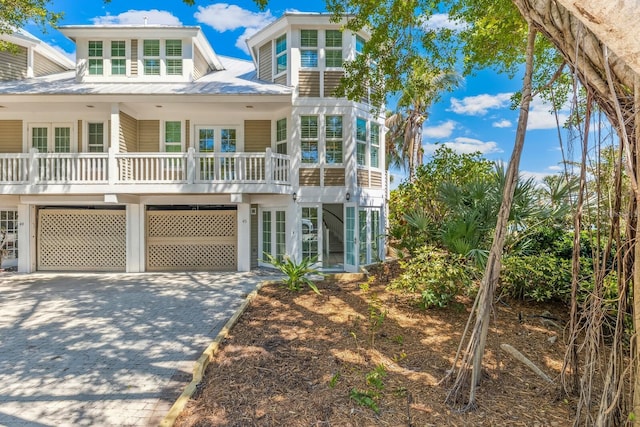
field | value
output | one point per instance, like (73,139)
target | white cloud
(480,104)
(442,130)
(440,21)
(504,123)
(538,177)
(542,117)
(136,17)
(464,145)
(227,17)
(555,168)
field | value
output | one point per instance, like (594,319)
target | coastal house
(153,153)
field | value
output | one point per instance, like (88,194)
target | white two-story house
(153,153)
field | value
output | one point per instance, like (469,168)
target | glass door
(350,238)
(206,144)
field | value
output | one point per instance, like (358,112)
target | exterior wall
(11,136)
(148,136)
(281,80)
(334,177)
(128,133)
(13,66)
(257,135)
(200,65)
(331,82)
(255,222)
(309,83)
(309,177)
(265,58)
(134,57)
(44,66)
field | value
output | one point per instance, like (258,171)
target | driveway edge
(206,357)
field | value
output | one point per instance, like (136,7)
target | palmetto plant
(296,272)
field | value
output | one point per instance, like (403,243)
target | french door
(273,235)
(216,139)
(51,137)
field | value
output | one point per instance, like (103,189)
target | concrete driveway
(106,349)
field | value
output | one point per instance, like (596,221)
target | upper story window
(173,137)
(281,136)
(95,58)
(309,48)
(333,48)
(173,51)
(333,139)
(309,138)
(375,145)
(361,139)
(151,57)
(228,140)
(359,44)
(281,54)
(118,58)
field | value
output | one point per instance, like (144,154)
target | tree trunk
(478,338)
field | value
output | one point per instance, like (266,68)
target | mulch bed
(358,355)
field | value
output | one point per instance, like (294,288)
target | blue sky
(475,117)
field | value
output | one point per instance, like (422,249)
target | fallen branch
(522,358)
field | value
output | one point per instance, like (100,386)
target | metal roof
(238,78)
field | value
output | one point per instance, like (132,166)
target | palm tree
(404,139)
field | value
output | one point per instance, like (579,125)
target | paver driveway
(106,349)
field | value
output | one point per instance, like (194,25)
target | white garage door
(179,240)
(82,240)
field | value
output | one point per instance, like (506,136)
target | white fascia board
(207,51)
(128,31)
(153,99)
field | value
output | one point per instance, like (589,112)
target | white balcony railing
(144,168)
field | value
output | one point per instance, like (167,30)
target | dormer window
(309,45)
(173,51)
(281,54)
(118,58)
(333,48)
(151,57)
(359,44)
(95,58)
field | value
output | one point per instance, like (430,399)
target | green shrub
(435,276)
(541,277)
(296,272)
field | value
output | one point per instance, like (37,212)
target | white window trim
(85,135)
(325,140)
(50,135)
(163,143)
(273,211)
(277,55)
(127,59)
(217,136)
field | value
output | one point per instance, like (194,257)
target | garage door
(82,240)
(179,240)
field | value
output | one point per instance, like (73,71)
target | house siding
(43,66)
(363,178)
(376,179)
(309,83)
(265,67)
(309,177)
(257,135)
(281,80)
(11,136)
(331,82)
(80,148)
(334,177)
(200,65)
(13,66)
(128,138)
(134,57)
(149,136)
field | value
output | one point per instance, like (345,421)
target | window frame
(309,139)
(281,136)
(330,48)
(149,58)
(173,61)
(361,142)
(280,53)
(309,46)
(333,141)
(165,131)
(120,56)
(95,58)
(89,144)
(374,149)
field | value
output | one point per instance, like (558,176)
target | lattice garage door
(82,240)
(192,240)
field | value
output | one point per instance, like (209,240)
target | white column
(294,249)
(135,264)
(244,237)
(115,127)
(26,239)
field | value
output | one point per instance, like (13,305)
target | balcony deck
(114,172)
